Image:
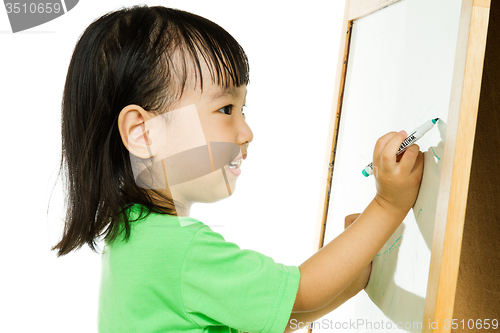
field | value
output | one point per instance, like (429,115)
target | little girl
(152,122)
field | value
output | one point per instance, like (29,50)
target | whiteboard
(399,75)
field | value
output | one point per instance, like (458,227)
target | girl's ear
(134,131)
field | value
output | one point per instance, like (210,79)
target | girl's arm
(299,320)
(334,267)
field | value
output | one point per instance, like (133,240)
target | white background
(292,48)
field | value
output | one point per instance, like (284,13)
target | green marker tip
(435,120)
(365,173)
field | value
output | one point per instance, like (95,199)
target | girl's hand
(362,280)
(397,180)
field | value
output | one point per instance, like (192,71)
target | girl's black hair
(138,55)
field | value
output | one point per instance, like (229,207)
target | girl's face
(220,115)
(222,120)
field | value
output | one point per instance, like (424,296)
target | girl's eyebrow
(225,91)
(221,92)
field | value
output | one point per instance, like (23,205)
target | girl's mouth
(234,167)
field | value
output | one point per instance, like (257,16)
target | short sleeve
(222,284)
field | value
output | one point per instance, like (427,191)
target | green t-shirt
(177,275)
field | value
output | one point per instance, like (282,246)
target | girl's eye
(229,108)
(225,109)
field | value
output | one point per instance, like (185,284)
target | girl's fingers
(380,146)
(409,158)
(419,164)
(382,142)
(388,157)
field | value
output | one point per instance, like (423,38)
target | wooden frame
(456,169)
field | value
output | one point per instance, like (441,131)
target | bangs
(190,40)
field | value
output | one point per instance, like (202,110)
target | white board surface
(399,75)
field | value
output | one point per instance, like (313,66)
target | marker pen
(410,139)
